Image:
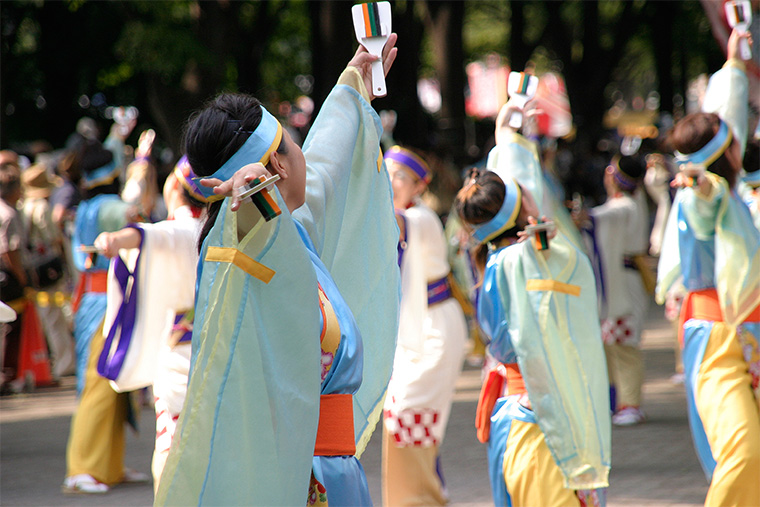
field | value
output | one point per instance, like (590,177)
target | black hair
(479,201)
(214,133)
(693,132)
(108,188)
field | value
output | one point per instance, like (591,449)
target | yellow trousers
(530,473)
(730,414)
(96,440)
(409,475)
(626,371)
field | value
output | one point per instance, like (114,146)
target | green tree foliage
(167,58)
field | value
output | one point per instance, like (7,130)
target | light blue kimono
(540,312)
(102,213)
(712,243)
(247,431)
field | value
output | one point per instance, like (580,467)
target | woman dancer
(548,433)
(711,241)
(429,349)
(279,397)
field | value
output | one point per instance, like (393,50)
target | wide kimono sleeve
(248,427)
(163,283)
(349,217)
(727,95)
(424,261)
(557,339)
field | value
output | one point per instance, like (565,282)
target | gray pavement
(653,464)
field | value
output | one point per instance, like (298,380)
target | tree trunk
(519,52)
(445,20)
(662,37)
(333,45)
(411,126)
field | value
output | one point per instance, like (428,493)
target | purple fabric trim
(110,367)
(402,241)
(598,266)
(188,335)
(438,291)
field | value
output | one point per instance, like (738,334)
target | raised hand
(362,61)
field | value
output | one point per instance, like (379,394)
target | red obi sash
(705,305)
(335,433)
(492,390)
(89,281)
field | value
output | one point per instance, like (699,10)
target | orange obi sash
(492,390)
(705,305)
(89,281)
(335,433)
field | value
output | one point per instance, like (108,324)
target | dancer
(429,349)
(95,451)
(617,235)
(548,434)
(712,242)
(164,291)
(266,421)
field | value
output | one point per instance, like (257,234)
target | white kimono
(164,267)
(619,232)
(431,339)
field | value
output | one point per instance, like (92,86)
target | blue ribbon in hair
(257,148)
(506,218)
(710,152)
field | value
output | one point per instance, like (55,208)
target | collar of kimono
(257,148)
(624,181)
(710,152)
(506,218)
(411,162)
(187,179)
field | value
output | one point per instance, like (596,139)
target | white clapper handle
(374,44)
(744,50)
(378,79)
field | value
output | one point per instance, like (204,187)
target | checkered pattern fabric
(412,427)
(618,331)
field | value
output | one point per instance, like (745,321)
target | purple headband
(410,161)
(187,178)
(624,181)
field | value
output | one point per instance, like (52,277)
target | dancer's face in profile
(405,185)
(529,206)
(291,166)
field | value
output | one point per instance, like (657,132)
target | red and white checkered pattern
(166,424)
(618,331)
(412,427)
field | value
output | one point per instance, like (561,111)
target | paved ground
(653,464)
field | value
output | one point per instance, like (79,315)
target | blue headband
(410,161)
(752,179)
(710,152)
(505,219)
(257,148)
(103,175)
